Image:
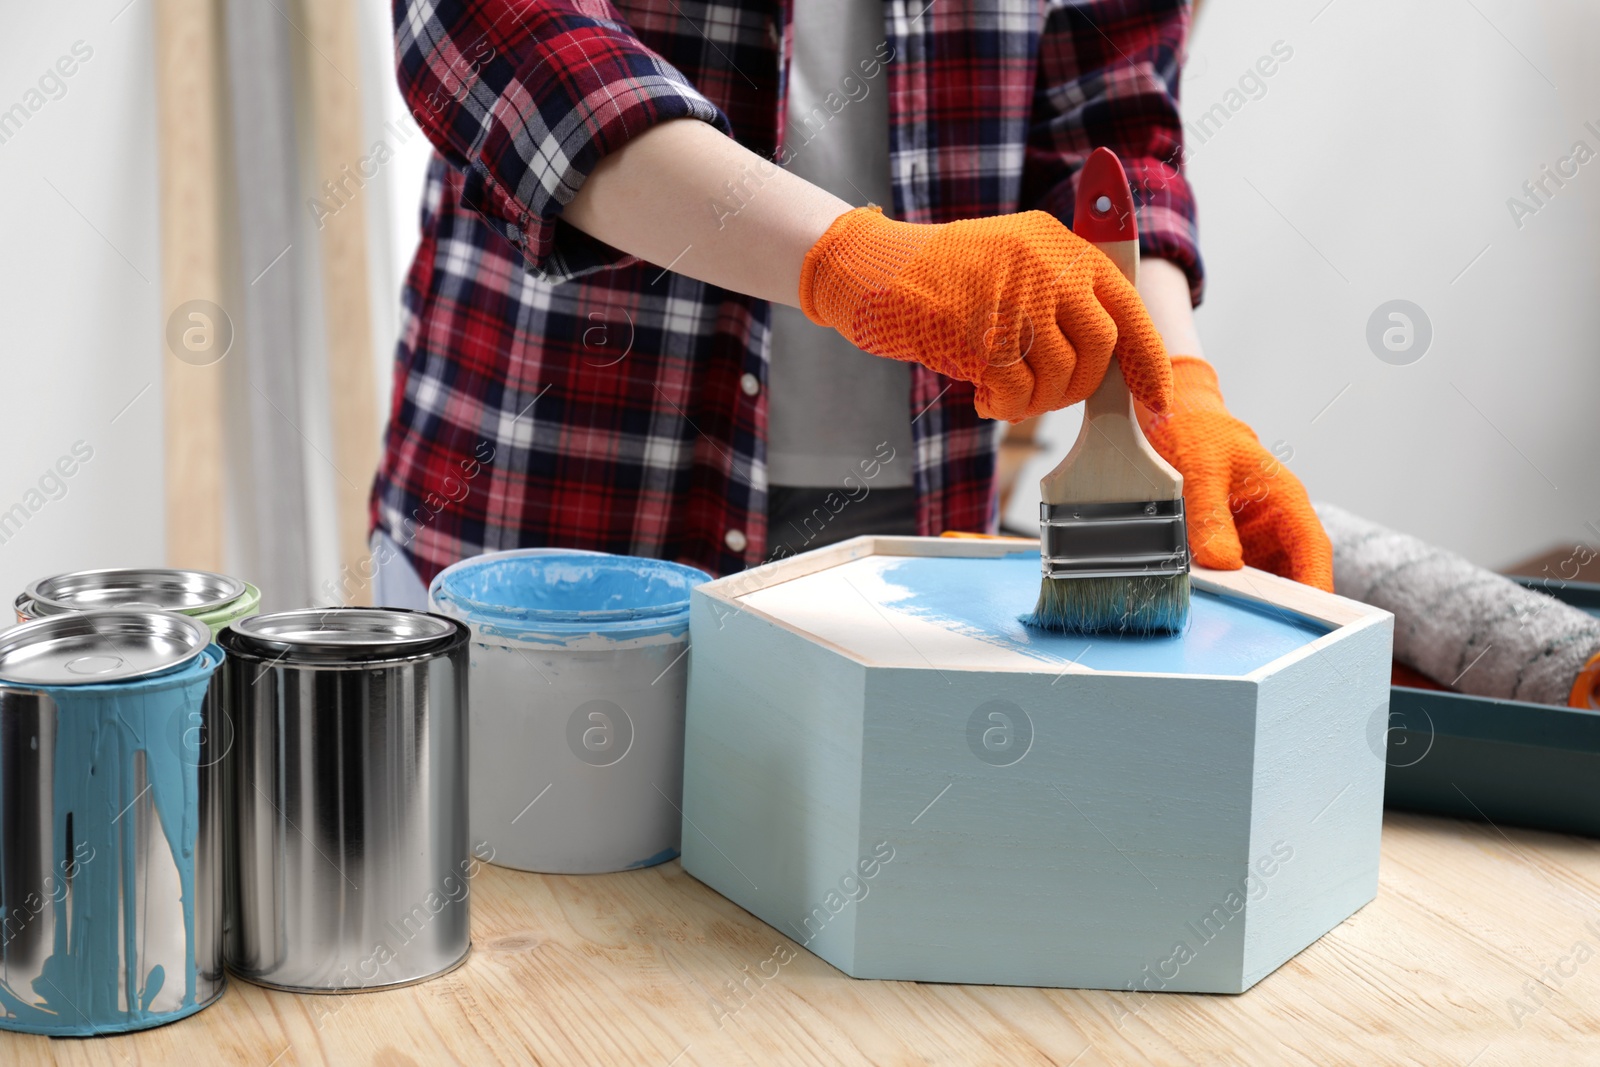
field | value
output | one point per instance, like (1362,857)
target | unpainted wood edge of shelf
(1254,585)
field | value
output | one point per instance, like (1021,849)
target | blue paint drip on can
(117,773)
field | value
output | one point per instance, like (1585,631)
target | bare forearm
(1164,288)
(683,195)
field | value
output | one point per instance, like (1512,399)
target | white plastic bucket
(576,705)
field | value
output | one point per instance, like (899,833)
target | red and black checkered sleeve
(525,97)
(1108,77)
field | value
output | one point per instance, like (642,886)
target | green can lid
(95,647)
(151,588)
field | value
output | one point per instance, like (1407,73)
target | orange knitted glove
(1018,305)
(1243,506)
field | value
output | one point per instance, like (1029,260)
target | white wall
(1376,166)
(80,293)
(80,297)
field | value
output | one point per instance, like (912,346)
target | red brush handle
(1104,209)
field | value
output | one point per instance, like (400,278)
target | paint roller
(1470,629)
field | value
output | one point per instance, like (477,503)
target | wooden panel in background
(189,98)
(333,65)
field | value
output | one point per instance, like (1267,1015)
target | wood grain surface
(635,968)
(193,249)
(333,71)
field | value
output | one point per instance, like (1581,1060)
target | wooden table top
(1572,563)
(636,968)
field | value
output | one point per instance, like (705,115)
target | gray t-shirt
(830,405)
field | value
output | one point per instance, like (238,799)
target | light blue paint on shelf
(980,597)
(101,733)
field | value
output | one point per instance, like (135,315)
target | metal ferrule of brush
(1134,539)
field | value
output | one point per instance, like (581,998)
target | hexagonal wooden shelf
(886,765)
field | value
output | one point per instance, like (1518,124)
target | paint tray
(1501,761)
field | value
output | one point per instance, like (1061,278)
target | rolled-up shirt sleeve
(1108,77)
(525,97)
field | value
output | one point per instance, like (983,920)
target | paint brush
(1112,543)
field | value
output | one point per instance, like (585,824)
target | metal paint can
(214,599)
(110,855)
(579,671)
(348,859)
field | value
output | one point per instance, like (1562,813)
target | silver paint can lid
(95,647)
(344,634)
(152,588)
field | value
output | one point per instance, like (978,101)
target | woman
(644,316)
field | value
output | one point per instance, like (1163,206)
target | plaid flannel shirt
(549,390)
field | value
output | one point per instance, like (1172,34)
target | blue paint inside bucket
(579,665)
(568,593)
